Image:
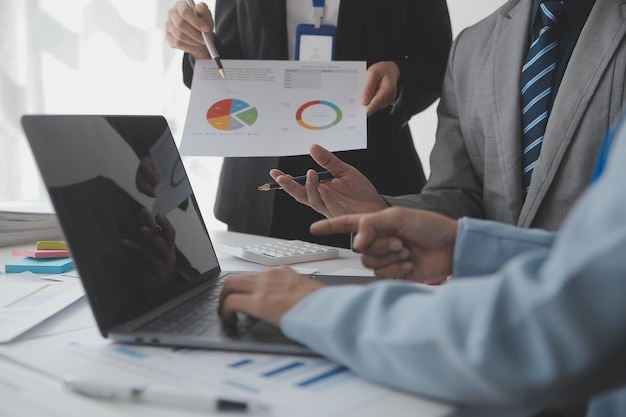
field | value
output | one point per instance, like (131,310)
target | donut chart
(318,115)
(231,114)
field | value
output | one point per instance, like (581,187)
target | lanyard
(318,12)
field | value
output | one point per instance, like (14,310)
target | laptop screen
(126,207)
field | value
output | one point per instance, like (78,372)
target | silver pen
(141,394)
(209,44)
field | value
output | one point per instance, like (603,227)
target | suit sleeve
(549,327)
(453,188)
(427,45)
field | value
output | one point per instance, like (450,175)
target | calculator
(282,252)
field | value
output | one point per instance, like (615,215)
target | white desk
(33,393)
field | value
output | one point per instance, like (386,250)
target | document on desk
(26,304)
(274,108)
(292,385)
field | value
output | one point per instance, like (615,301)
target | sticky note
(51,245)
(40,266)
(41,253)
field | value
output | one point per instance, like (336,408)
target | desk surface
(35,393)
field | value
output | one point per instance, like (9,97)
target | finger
(234,303)
(372,79)
(394,271)
(332,201)
(297,191)
(184,25)
(380,246)
(438,280)
(200,19)
(342,224)
(275,173)
(312,192)
(376,262)
(241,283)
(329,161)
(379,101)
(384,96)
(205,14)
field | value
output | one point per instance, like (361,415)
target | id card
(315,44)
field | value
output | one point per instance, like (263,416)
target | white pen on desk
(141,394)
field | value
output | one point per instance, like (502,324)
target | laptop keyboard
(195,316)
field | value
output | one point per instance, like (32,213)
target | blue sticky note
(40,266)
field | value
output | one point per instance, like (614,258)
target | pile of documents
(27,221)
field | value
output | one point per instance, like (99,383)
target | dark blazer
(415,34)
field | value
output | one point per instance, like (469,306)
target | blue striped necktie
(537,82)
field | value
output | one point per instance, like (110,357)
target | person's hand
(267,295)
(348,192)
(183,29)
(147,177)
(381,80)
(399,242)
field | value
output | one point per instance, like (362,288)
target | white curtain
(88,57)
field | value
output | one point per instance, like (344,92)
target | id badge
(315,44)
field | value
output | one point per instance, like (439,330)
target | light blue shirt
(530,319)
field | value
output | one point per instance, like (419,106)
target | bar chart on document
(290,382)
(270,108)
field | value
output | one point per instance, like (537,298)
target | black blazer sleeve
(427,46)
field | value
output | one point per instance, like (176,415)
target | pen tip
(223,73)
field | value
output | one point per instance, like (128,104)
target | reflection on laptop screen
(126,205)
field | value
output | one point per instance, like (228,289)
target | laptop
(136,235)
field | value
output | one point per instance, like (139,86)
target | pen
(209,44)
(321,176)
(141,394)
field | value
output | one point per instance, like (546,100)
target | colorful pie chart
(231,114)
(318,115)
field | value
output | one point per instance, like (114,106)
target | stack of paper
(26,221)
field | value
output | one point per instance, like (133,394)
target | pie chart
(318,115)
(231,114)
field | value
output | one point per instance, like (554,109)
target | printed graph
(305,373)
(231,114)
(318,115)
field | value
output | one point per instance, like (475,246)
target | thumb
(372,79)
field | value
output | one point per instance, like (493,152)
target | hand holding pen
(209,44)
(189,27)
(321,176)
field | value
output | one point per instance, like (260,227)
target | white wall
(463,13)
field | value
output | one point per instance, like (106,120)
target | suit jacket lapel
(598,42)
(510,51)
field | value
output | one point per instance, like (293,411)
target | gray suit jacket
(476,161)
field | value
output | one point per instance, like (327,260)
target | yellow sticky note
(51,245)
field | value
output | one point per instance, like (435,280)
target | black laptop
(137,238)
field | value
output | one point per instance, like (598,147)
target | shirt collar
(577,10)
